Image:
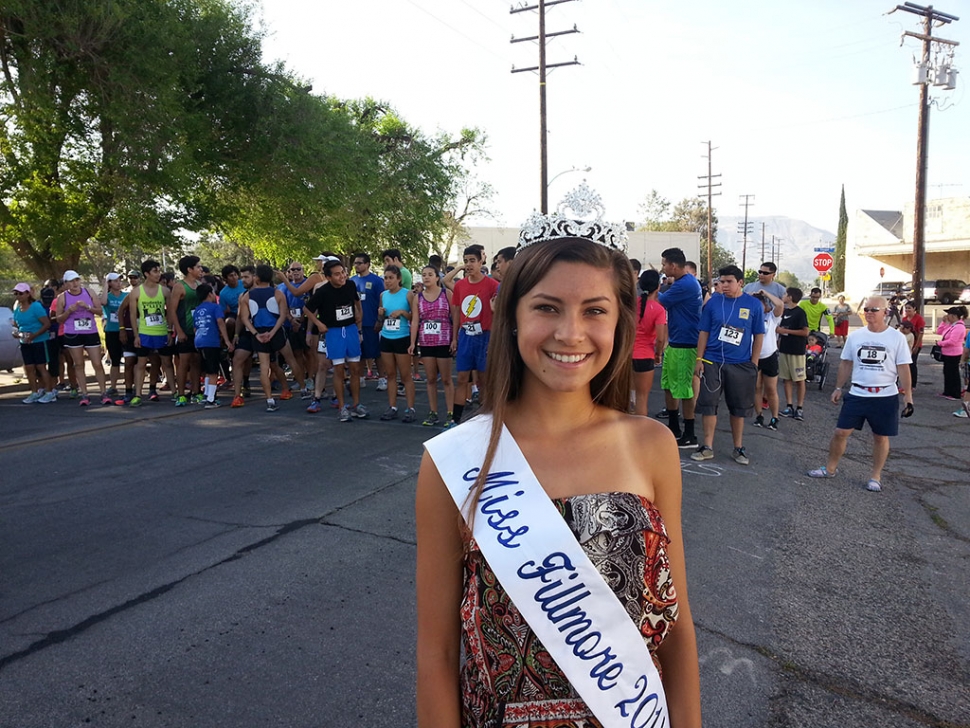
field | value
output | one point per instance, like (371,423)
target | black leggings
(952,386)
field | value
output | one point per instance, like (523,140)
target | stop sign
(823,262)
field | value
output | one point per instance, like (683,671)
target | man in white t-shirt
(873,358)
(766,388)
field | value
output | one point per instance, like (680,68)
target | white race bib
(113,317)
(363,294)
(432,328)
(392,325)
(84,324)
(344,313)
(296,313)
(731,335)
(154,319)
(473,328)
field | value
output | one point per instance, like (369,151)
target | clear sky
(797,97)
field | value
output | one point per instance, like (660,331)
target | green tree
(838,269)
(688,215)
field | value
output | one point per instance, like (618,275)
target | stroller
(816,366)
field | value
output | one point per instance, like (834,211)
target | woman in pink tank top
(78,311)
(431,328)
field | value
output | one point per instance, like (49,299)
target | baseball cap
(70,275)
(135,273)
(22,288)
(955,310)
(114,276)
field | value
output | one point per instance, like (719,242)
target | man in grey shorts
(732,329)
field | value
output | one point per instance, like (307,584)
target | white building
(879,245)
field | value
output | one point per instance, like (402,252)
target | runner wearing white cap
(77,310)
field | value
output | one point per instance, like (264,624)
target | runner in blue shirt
(369,286)
(210,333)
(732,328)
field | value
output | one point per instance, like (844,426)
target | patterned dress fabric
(507,676)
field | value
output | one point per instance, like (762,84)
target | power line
(456,30)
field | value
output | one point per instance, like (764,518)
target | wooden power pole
(542,68)
(710,184)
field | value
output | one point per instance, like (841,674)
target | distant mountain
(796,249)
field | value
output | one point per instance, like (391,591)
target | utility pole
(929,16)
(744,229)
(710,215)
(542,68)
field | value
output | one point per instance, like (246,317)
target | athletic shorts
(297,340)
(737,381)
(211,358)
(791,367)
(343,344)
(436,352)
(34,354)
(154,345)
(882,414)
(53,356)
(395,346)
(246,341)
(187,346)
(79,341)
(642,366)
(112,342)
(677,372)
(769,365)
(472,351)
(370,346)
(273,345)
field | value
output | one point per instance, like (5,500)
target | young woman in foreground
(559,379)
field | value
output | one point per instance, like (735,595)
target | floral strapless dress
(507,676)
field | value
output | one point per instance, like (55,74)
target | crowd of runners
(322,334)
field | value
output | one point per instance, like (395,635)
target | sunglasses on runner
(764,272)
(872,310)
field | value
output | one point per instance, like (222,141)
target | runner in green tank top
(151,312)
(181,306)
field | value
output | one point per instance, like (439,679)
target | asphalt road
(163,567)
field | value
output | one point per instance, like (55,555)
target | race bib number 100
(432,328)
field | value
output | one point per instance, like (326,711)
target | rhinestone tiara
(582,202)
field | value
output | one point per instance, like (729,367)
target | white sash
(550,579)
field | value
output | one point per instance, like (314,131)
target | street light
(567,171)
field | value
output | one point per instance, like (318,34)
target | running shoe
(112,391)
(382,384)
(214,404)
(247,392)
(475,395)
(153,396)
(409,415)
(703,453)
(198,398)
(417,377)
(306,394)
(874,485)
(389,414)
(52,397)
(431,420)
(685,442)
(662,414)
(740,457)
(360,412)
(401,391)
(294,386)
(286,394)
(85,401)
(965,412)
(799,415)
(314,407)
(308,383)
(759,421)
(135,402)
(345,414)
(363,383)
(789,411)
(271,405)
(74,393)
(106,400)
(120,401)
(182,401)
(237,402)
(33,397)
(449,421)
(773,424)
(334,402)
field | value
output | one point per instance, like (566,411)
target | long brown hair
(503,377)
